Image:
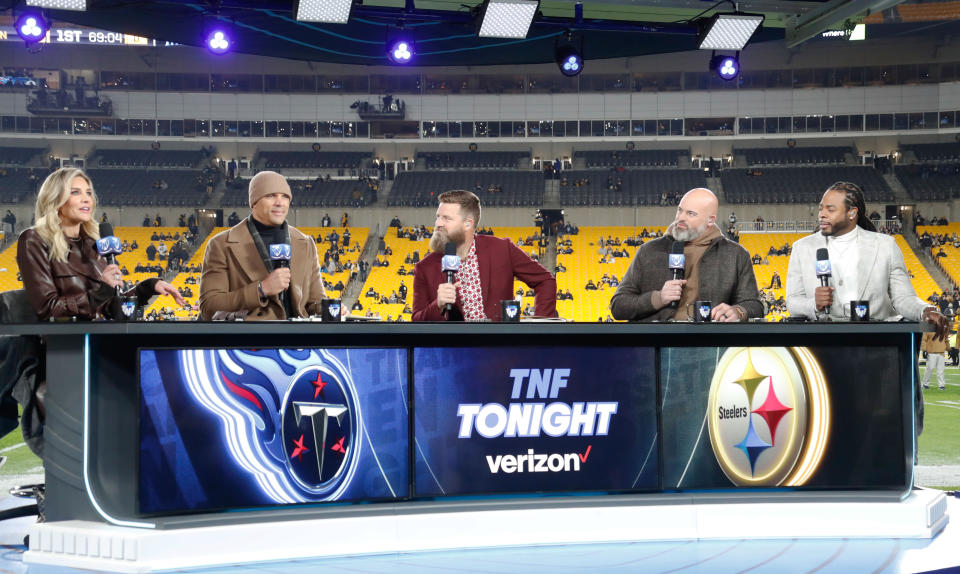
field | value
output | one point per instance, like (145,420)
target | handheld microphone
(108,245)
(823,270)
(450,264)
(676,263)
(280,255)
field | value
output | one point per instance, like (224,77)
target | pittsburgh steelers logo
(318,430)
(768,414)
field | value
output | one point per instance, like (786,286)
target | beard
(439,240)
(688,234)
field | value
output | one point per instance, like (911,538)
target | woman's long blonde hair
(54,193)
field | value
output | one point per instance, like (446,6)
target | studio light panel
(78,5)
(329,11)
(508,18)
(730,31)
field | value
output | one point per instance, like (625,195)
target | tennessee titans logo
(823,267)
(676,261)
(279,251)
(291,417)
(317,427)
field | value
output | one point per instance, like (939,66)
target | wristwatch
(263,296)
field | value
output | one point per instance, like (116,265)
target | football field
(939,445)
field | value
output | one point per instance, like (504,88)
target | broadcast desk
(172,445)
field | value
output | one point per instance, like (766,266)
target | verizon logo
(536,462)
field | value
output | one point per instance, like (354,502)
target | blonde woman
(62,272)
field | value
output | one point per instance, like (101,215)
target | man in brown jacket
(241,279)
(716,270)
(935,349)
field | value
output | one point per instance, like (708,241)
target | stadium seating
(148,158)
(632,158)
(139,187)
(180,281)
(16,156)
(923,283)
(9,268)
(935,151)
(951,263)
(313,192)
(799,184)
(927,182)
(637,187)
(419,189)
(351,255)
(473,159)
(760,244)
(15,183)
(794,156)
(584,263)
(316,160)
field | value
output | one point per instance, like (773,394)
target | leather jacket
(73,288)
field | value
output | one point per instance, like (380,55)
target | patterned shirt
(470,292)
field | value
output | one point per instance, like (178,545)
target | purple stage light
(401,51)
(568,60)
(218,41)
(32,27)
(727,67)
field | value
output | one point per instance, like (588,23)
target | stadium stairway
(551,194)
(926,260)
(355,288)
(899,192)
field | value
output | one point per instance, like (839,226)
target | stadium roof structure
(445,30)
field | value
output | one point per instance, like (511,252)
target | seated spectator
(756,259)
(590,286)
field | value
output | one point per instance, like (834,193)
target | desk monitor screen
(535,420)
(794,417)
(232,428)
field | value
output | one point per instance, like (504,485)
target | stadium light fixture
(729,31)
(568,57)
(217,40)
(327,11)
(507,18)
(76,5)
(401,50)
(32,26)
(727,67)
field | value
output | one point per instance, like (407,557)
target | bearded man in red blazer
(488,266)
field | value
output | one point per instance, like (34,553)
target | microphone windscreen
(450,261)
(823,263)
(676,260)
(106,230)
(280,251)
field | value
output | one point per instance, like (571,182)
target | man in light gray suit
(865,265)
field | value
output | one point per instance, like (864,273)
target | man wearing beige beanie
(241,279)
